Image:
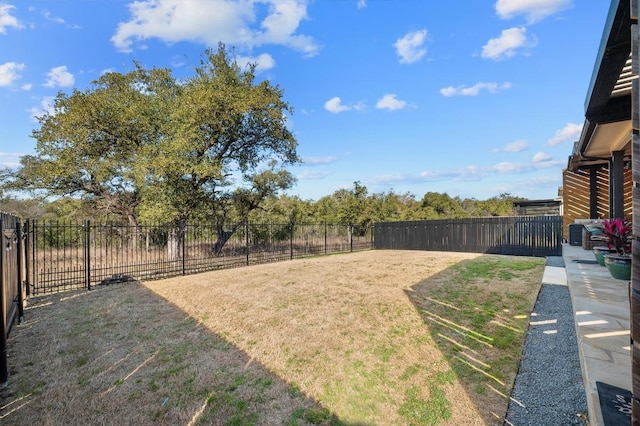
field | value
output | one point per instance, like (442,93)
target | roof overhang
(607,126)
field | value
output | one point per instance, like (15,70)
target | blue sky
(469,97)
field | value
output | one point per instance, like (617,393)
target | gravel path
(548,388)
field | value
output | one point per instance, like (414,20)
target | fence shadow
(477,312)
(123,355)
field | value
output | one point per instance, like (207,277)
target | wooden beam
(634,293)
(611,111)
(616,185)
(612,54)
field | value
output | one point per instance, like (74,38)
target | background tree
(90,144)
(501,205)
(144,145)
(440,206)
(225,148)
(354,208)
(390,206)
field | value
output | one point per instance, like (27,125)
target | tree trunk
(224,236)
(134,233)
(173,241)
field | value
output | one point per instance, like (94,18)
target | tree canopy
(147,145)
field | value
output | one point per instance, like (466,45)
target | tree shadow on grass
(477,312)
(123,355)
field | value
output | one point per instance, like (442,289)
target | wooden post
(635,272)
(616,185)
(4,370)
(593,192)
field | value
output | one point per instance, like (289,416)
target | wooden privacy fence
(519,235)
(13,264)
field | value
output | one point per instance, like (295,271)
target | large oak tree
(144,145)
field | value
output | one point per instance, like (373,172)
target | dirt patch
(327,340)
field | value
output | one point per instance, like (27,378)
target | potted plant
(617,234)
(594,231)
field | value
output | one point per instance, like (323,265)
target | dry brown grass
(345,339)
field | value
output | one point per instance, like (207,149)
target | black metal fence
(13,265)
(519,235)
(43,257)
(67,255)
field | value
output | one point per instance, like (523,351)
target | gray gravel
(549,382)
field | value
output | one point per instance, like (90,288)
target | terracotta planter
(600,252)
(619,266)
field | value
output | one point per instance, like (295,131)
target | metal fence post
(87,254)
(325,238)
(247,239)
(34,259)
(183,235)
(19,272)
(291,242)
(27,268)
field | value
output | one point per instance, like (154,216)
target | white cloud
(10,72)
(232,22)
(506,44)
(465,174)
(391,178)
(410,48)
(390,102)
(507,167)
(335,105)
(541,163)
(59,77)
(474,90)
(515,146)
(534,10)
(473,173)
(362,4)
(359,106)
(6,20)
(10,159)
(263,62)
(314,161)
(46,107)
(313,174)
(541,157)
(569,133)
(47,15)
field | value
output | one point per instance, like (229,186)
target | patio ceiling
(607,126)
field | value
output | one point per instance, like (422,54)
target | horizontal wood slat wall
(575,196)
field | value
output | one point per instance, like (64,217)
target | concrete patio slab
(601,312)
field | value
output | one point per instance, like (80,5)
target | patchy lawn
(375,337)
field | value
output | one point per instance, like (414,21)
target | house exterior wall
(575,196)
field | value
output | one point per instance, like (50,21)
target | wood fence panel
(12,261)
(519,235)
(576,198)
